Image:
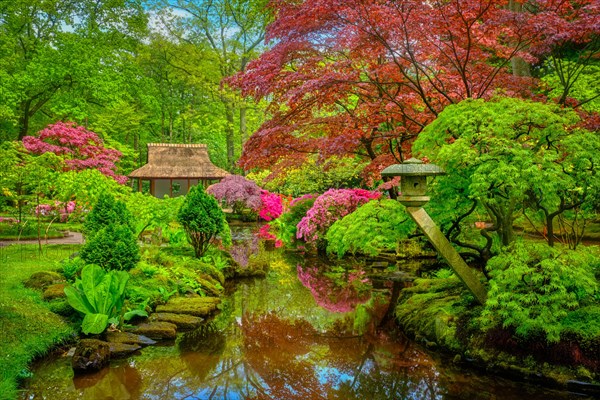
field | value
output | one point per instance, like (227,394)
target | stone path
(70,238)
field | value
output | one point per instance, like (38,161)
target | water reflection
(280,338)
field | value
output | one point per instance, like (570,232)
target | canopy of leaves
(374,227)
(505,151)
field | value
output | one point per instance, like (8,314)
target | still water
(296,334)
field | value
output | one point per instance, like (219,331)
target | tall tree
(233,31)
(365,77)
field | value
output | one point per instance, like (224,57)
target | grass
(28,328)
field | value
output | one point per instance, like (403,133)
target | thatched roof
(178,161)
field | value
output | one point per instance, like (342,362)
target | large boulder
(197,306)
(90,355)
(120,350)
(183,321)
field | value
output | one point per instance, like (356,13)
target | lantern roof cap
(413,167)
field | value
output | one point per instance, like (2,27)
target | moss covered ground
(28,328)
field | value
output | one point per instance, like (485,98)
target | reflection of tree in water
(296,362)
(337,292)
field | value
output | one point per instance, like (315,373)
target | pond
(296,334)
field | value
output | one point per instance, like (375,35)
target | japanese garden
(300,199)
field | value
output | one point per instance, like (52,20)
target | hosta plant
(99,295)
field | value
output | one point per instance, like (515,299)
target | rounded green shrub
(202,219)
(534,286)
(113,248)
(107,211)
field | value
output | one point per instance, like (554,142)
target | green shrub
(286,225)
(71,267)
(107,211)
(374,227)
(202,219)
(534,286)
(113,248)
(99,296)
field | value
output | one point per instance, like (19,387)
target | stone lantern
(413,188)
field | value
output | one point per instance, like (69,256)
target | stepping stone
(119,350)
(156,330)
(128,338)
(197,306)
(183,321)
(90,355)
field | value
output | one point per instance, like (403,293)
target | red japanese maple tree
(364,77)
(81,148)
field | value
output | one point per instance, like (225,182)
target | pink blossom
(272,205)
(332,205)
(82,149)
(237,192)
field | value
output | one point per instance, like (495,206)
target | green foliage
(510,155)
(533,287)
(106,212)
(202,219)
(285,226)
(374,227)
(112,247)
(150,212)
(99,296)
(71,267)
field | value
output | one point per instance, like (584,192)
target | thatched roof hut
(173,168)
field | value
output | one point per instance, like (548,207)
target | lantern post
(413,188)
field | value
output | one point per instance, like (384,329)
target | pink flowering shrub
(264,233)
(334,293)
(271,207)
(237,192)
(81,148)
(332,205)
(58,209)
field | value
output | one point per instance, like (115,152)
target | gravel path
(70,238)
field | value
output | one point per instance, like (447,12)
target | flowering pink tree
(332,205)
(237,192)
(81,148)
(58,209)
(336,295)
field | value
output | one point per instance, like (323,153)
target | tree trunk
(243,125)
(520,67)
(550,229)
(24,119)
(229,132)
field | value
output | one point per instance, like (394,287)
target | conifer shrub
(374,227)
(110,241)
(106,211)
(534,287)
(202,219)
(113,247)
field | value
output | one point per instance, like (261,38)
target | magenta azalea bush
(331,206)
(238,193)
(271,207)
(334,294)
(82,149)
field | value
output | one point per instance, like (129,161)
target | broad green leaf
(94,323)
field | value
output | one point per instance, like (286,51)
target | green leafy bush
(107,211)
(113,248)
(534,286)
(286,225)
(374,227)
(202,219)
(71,267)
(99,296)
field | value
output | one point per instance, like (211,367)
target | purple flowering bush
(238,193)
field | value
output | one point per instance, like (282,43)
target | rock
(157,330)
(183,321)
(119,350)
(61,307)
(55,291)
(128,338)
(41,280)
(90,355)
(198,306)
